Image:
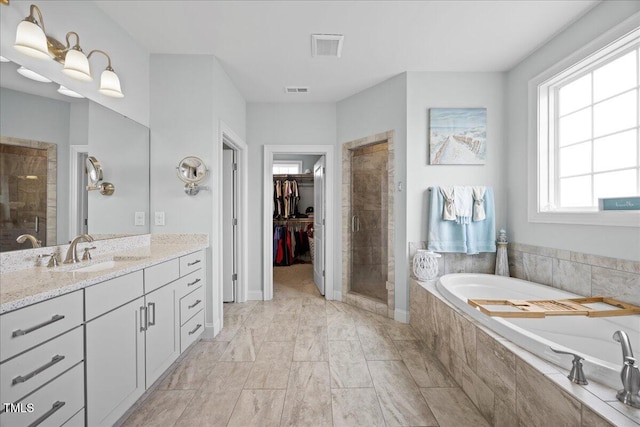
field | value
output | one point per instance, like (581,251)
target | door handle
(143,320)
(353,223)
(152,313)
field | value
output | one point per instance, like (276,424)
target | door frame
(74,179)
(267,221)
(228,137)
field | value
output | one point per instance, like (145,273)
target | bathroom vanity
(105,329)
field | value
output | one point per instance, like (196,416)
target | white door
(318,223)
(229,222)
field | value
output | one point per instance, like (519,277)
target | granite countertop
(31,285)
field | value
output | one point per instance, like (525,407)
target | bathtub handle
(577,374)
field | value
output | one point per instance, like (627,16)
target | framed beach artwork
(457,136)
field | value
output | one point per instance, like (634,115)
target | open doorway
(298,221)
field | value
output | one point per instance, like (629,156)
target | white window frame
(541,157)
(288,163)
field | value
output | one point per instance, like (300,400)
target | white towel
(463,199)
(478,202)
(449,209)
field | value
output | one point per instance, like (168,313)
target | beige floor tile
(276,350)
(399,331)
(285,330)
(376,344)
(244,346)
(308,399)
(356,407)
(452,408)
(161,409)
(195,367)
(400,399)
(425,368)
(261,408)
(269,374)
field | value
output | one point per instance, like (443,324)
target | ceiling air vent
(296,89)
(326,45)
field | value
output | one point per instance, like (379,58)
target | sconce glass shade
(76,65)
(31,40)
(32,75)
(3,59)
(68,92)
(110,84)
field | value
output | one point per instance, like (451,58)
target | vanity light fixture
(3,59)
(32,75)
(68,92)
(32,40)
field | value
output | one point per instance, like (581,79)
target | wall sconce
(192,171)
(32,40)
(94,174)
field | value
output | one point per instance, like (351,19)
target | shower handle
(353,224)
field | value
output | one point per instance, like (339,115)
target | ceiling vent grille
(296,89)
(326,45)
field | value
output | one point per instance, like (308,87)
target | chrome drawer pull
(47,414)
(144,321)
(21,379)
(195,329)
(21,332)
(152,305)
(189,264)
(193,283)
(194,304)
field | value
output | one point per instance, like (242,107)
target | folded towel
(444,235)
(451,236)
(449,209)
(463,199)
(478,202)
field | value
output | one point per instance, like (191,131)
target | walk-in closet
(293,222)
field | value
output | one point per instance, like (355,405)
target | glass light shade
(68,92)
(32,75)
(31,40)
(3,59)
(76,65)
(110,84)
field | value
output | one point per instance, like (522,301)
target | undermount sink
(85,268)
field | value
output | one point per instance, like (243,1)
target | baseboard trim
(401,315)
(255,296)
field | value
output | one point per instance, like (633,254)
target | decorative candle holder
(425,264)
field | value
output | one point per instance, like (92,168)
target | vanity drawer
(106,296)
(25,373)
(191,304)
(191,262)
(190,331)
(190,283)
(159,275)
(54,404)
(27,327)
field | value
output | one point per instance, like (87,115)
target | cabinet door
(162,347)
(115,362)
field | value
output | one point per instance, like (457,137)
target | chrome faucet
(72,252)
(34,242)
(630,375)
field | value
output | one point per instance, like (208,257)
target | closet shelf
(300,177)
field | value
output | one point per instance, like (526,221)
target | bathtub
(590,337)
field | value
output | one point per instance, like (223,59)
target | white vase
(425,264)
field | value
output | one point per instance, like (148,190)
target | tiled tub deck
(509,385)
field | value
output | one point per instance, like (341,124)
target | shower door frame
(347,154)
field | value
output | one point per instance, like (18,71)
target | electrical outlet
(139,218)
(159,218)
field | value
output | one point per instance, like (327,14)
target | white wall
(427,90)
(379,109)
(47,120)
(190,95)
(122,148)
(618,242)
(280,124)
(97,31)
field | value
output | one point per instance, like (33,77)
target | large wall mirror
(45,138)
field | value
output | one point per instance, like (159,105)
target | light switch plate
(159,218)
(139,218)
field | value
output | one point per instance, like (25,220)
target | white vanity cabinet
(115,344)
(41,369)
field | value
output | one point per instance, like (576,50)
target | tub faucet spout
(630,375)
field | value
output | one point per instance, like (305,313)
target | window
(588,135)
(287,167)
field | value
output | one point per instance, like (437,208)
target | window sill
(605,218)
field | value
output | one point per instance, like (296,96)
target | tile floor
(299,360)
